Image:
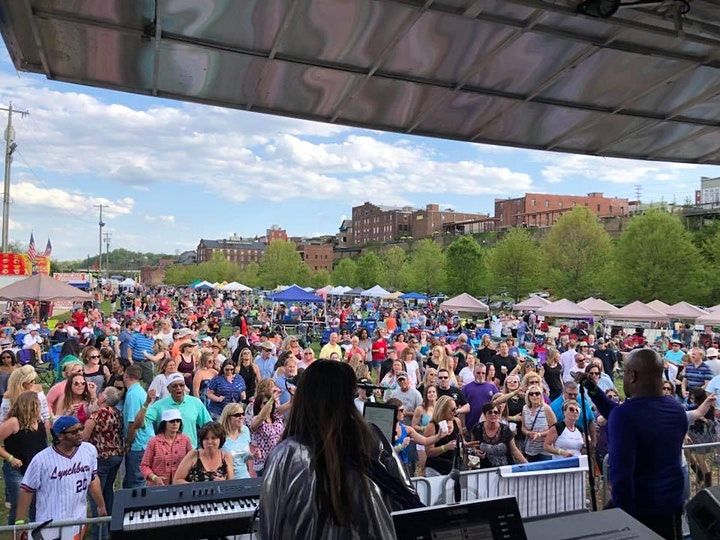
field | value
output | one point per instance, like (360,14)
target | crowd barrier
(62,529)
(538,489)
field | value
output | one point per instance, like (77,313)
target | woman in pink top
(165,450)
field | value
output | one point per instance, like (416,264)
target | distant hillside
(120,259)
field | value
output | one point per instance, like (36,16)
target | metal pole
(9,139)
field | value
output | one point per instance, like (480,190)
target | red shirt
(379,350)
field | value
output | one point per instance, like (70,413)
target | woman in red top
(165,450)
(379,350)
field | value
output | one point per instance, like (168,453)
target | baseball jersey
(60,483)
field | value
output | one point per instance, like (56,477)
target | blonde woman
(249,371)
(23,436)
(552,373)
(440,454)
(23,380)
(445,362)
(537,419)
(205,373)
(429,379)
(237,440)
(421,419)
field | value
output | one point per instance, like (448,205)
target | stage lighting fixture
(599,8)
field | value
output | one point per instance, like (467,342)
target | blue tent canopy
(413,296)
(295,294)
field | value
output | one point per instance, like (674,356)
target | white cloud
(26,193)
(169,220)
(561,167)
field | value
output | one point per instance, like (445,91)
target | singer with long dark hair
(317,482)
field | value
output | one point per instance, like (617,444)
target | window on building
(598,207)
(532,202)
(610,209)
(547,204)
(560,204)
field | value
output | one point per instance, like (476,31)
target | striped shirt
(140,344)
(697,376)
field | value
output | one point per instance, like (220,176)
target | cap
(583,344)
(184,332)
(675,342)
(206,339)
(601,340)
(266,345)
(62,423)
(402,375)
(170,414)
(712,352)
(364,380)
(173,378)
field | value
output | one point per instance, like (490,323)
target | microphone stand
(591,475)
(454,473)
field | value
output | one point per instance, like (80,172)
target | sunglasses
(493,412)
(572,409)
(79,383)
(229,369)
(73,431)
(238,415)
(667,389)
(594,373)
(94,356)
(572,394)
(442,378)
(534,393)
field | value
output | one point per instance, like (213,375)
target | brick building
(375,223)
(318,255)
(275,233)
(235,249)
(152,275)
(543,210)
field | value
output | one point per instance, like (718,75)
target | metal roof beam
(27,7)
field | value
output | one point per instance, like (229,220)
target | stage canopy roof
(465,303)
(534,302)
(564,308)
(597,305)
(638,312)
(524,73)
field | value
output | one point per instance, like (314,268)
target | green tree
(465,267)
(576,251)
(394,260)
(320,278)
(425,269)
(344,274)
(250,275)
(282,265)
(369,270)
(514,264)
(656,258)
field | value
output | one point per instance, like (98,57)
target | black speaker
(703,514)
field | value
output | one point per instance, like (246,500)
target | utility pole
(101,224)
(107,254)
(10,147)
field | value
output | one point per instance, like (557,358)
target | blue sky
(172,172)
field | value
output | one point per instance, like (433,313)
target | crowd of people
(159,393)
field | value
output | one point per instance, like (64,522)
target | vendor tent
(357,291)
(685,311)
(534,302)
(597,306)
(127,282)
(711,319)
(376,292)
(395,295)
(339,290)
(714,308)
(637,311)
(204,286)
(659,305)
(294,294)
(465,302)
(235,286)
(565,309)
(42,288)
(413,296)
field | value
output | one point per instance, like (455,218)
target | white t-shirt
(412,370)
(61,485)
(29,340)
(466,376)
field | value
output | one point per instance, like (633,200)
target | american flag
(32,253)
(48,249)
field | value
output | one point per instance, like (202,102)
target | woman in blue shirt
(225,388)
(237,440)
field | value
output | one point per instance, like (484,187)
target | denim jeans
(13,478)
(107,472)
(133,476)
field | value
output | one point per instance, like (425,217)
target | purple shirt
(477,395)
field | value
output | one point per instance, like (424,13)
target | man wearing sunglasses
(60,477)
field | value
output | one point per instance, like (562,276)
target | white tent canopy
(466,303)
(637,311)
(376,292)
(685,311)
(597,306)
(566,309)
(714,308)
(712,318)
(534,302)
(659,305)
(127,282)
(235,286)
(339,290)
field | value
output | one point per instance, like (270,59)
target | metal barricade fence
(538,493)
(63,529)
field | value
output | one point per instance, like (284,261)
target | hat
(601,340)
(170,414)
(173,378)
(71,359)
(712,352)
(583,344)
(206,339)
(62,423)
(184,332)
(402,375)
(364,380)
(675,342)
(266,345)
(5,343)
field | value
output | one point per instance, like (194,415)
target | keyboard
(186,510)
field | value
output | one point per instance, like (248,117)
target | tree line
(655,257)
